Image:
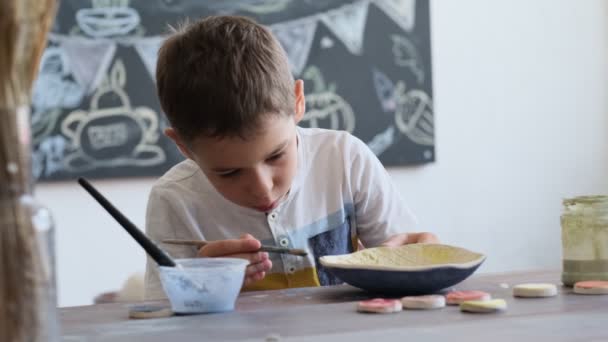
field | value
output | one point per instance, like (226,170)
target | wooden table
(328,314)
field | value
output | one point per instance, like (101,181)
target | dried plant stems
(23,28)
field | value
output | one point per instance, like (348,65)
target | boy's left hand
(407,238)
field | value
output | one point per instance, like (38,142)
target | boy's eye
(229,174)
(276,156)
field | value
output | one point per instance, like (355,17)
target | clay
(380,305)
(484,306)
(457,297)
(591,287)
(535,290)
(423,302)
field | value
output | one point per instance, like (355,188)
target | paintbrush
(161,258)
(270,249)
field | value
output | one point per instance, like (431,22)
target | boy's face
(255,172)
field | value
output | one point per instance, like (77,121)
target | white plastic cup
(203,285)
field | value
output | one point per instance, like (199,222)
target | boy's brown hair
(217,77)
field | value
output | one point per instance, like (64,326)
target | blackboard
(366,65)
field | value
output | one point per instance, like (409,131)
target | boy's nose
(261,185)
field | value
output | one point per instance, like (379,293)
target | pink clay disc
(380,305)
(591,287)
(457,297)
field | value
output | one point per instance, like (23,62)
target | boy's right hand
(245,248)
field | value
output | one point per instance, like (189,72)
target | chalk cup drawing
(112,136)
(413,111)
(414,115)
(325,108)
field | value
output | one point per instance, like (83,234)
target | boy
(252,176)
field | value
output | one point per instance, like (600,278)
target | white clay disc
(379,305)
(457,297)
(534,290)
(483,306)
(592,287)
(423,302)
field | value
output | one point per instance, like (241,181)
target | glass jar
(27,233)
(44,228)
(28,302)
(584,223)
(27,261)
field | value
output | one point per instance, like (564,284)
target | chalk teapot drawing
(114,135)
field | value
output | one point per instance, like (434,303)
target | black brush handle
(148,245)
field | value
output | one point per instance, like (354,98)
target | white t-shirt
(340,193)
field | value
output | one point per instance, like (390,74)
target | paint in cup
(203,285)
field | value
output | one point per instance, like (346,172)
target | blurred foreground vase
(584,224)
(27,262)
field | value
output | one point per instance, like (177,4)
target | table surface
(329,314)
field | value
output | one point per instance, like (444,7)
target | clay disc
(423,302)
(483,306)
(535,290)
(379,305)
(594,287)
(457,297)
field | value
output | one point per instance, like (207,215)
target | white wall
(521,103)
(94,254)
(521,110)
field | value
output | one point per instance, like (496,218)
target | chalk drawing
(382,141)
(296,38)
(89,60)
(52,88)
(108,21)
(259,7)
(52,91)
(263,6)
(110,135)
(324,107)
(314,75)
(327,43)
(48,157)
(147,49)
(385,90)
(348,24)
(115,135)
(402,12)
(414,115)
(406,55)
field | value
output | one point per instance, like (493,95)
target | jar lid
(593,199)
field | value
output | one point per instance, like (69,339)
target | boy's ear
(172,134)
(300,101)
